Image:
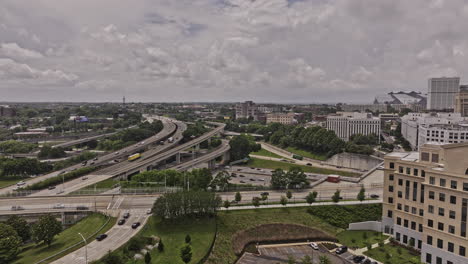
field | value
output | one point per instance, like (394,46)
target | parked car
(341,250)
(17,208)
(149,211)
(314,245)
(121,222)
(51,187)
(126,215)
(117,153)
(101,237)
(82,207)
(135,225)
(358,259)
(59,206)
(374,196)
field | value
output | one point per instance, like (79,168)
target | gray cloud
(227,50)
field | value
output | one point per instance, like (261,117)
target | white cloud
(10,69)
(14,51)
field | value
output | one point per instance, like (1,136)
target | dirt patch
(277,232)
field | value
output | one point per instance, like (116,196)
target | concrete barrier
(368,225)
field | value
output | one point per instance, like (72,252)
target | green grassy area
(202,232)
(88,226)
(5,182)
(306,154)
(230,222)
(392,254)
(272,164)
(105,184)
(266,153)
(360,238)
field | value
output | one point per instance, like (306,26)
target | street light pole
(86,248)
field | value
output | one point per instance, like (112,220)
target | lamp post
(86,248)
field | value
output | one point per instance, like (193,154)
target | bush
(58,179)
(136,243)
(342,216)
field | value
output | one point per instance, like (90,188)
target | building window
(415,172)
(389,214)
(390,199)
(428,258)
(406,208)
(438,260)
(440,226)
(413,225)
(400,194)
(451,229)
(405,223)
(450,247)
(420,227)
(429,240)
(397,236)
(399,206)
(425,156)
(398,221)
(453,199)
(431,195)
(421,212)
(452,214)
(442,182)
(441,211)
(430,209)
(400,182)
(465,186)
(430,223)
(390,188)
(462,251)
(390,177)
(405,239)
(423,173)
(440,243)
(413,210)
(400,169)
(453,184)
(408,171)
(391,165)
(431,180)
(442,197)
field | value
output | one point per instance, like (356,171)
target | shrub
(342,216)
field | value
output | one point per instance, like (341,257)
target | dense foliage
(22,167)
(9,243)
(342,216)
(46,229)
(293,178)
(194,130)
(186,203)
(198,178)
(241,146)
(14,146)
(21,226)
(86,155)
(58,179)
(48,152)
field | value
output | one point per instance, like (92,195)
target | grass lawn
(272,164)
(306,154)
(355,238)
(87,226)
(395,258)
(202,231)
(105,184)
(5,182)
(230,222)
(266,153)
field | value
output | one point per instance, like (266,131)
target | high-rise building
(461,101)
(347,124)
(425,201)
(247,109)
(441,93)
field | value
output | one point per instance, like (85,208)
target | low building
(285,118)
(346,124)
(7,111)
(365,108)
(443,133)
(425,201)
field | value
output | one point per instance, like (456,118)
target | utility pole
(86,248)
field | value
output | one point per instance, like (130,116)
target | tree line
(22,167)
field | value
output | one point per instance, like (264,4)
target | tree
(324,260)
(283,200)
(45,229)
(256,201)
(279,179)
(289,194)
(147,258)
(188,239)
(336,196)
(186,253)
(362,194)
(21,226)
(238,197)
(161,246)
(241,146)
(296,177)
(10,243)
(310,198)
(264,196)
(226,204)
(291,260)
(306,260)
(221,180)
(112,258)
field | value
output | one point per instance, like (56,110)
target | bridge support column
(178,158)
(211,164)
(197,147)
(63,219)
(209,141)
(226,157)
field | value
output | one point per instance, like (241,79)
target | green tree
(362,194)
(21,226)
(45,229)
(256,201)
(336,196)
(291,260)
(186,253)
(296,177)
(310,198)
(10,243)
(241,146)
(147,258)
(221,180)
(288,194)
(306,260)
(283,200)
(238,197)
(324,260)
(279,179)
(112,258)
(264,196)
(188,239)
(161,246)
(226,204)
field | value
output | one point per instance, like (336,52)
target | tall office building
(441,93)
(425,201)
(461,101)
(347,124)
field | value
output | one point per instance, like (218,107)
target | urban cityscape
(233,132)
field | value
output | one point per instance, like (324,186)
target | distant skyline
(279,51)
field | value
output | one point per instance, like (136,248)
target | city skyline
(267,51)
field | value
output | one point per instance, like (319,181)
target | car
(121,222)
(84,163)
(261,179)
(51,187)
(374,196)
(20,183)
(233,174)
(309,164)
(242,176)
(95,159)
(358,259)
(251,179)
(142,142)
(314,245)
(84,178)
(252,168)
(367,261)
(340,250)
(92,163)
(62,172)
(149,211)
(101,237)
(135,225)
(239,169)
(17,208)
(82,207)
(74,169)
(117,153)
(234,202)
(126,215)
(265,193)
(259,169)
(242,181)
(58,206)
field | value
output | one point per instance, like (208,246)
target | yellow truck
(134,157)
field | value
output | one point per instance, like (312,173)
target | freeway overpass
(82,140)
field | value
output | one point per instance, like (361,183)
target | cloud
(10,69)
(14,51)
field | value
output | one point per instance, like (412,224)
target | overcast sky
(227,50)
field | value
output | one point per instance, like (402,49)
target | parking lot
(280,254)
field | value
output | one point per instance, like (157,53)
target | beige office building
(426,201)
(461,101)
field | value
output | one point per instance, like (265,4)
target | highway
(169,128)
(82,140)
(223,148)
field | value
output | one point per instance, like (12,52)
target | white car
(314,245)
(59,206)
(21,183)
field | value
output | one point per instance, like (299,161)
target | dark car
(242,176)
(265,193)
(121,222)
(374,196)
(126,215)
(82,207)
(51,187)
(309,164)
(251,179)
(101,237)
(367,261)
(358,259)
(341,250)
(135,225)
(242,181)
